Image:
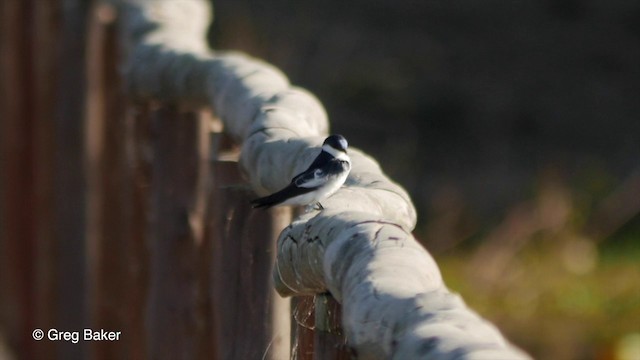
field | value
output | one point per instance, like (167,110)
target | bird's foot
(313,207)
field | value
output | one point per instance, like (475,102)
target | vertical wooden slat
(17,156)
(199,221)
(329,341)
(109,186)
(317,326)
(46,26)
(26,105)
(303,322)
(138,150)
(70,182)
(174,310)
(251,320)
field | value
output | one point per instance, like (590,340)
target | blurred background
(515,126)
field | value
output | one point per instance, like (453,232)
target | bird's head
(335,142)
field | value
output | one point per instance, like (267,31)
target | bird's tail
(264,202)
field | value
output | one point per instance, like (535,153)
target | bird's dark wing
(322,158)
(316,177)
(311,179)
(276,198)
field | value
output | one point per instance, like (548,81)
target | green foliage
(550,303)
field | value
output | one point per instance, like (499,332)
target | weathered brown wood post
(70,203)
(251,321)
(109,186)
(42,167)
(175,311)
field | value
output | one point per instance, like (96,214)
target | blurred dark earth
(477,98)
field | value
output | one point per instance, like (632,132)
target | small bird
(325,176)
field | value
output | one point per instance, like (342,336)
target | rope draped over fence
(395,305)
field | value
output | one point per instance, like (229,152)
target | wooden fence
(124,207)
